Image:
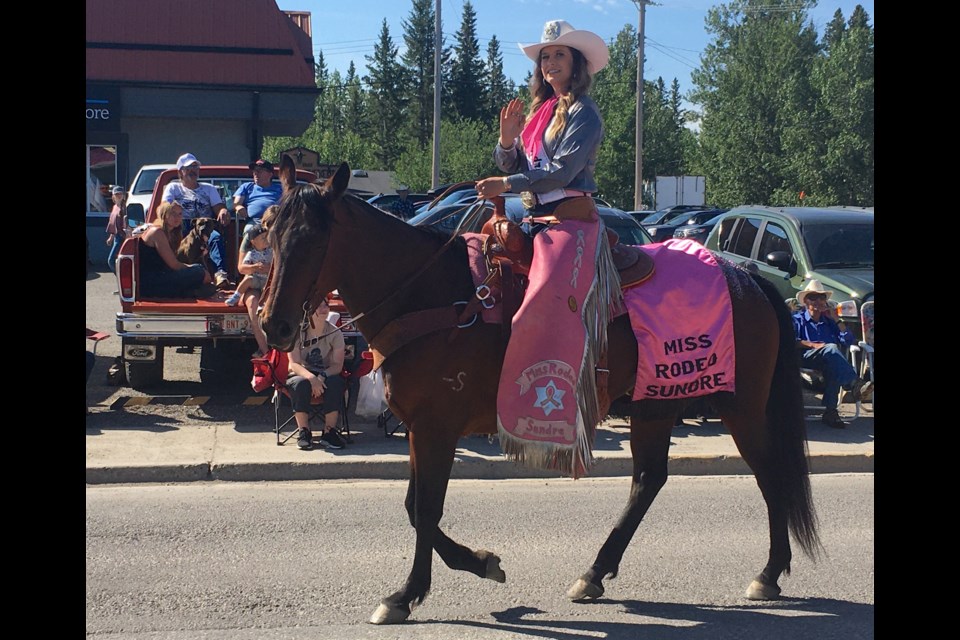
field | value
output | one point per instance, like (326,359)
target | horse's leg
(431,459)
(650,444)
(748,428)
(483,563)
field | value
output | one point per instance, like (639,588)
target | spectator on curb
(201,201)
(251,199)
(820,337)
(315,367)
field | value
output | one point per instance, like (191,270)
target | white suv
(141,189)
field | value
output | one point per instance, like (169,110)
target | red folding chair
(273,368)
(96,337)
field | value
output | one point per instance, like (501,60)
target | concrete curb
(474,469)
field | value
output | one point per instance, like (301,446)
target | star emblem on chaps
(549,398)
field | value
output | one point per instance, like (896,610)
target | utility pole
(437,35)
(638,178)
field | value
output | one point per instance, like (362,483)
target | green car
(789,246)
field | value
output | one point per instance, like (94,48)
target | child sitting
(254,267)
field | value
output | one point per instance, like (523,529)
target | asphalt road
(313,559)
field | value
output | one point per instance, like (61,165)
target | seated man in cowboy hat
(820,336)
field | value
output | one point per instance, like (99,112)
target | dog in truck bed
(193,247)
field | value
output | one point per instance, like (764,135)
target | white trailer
(674,190)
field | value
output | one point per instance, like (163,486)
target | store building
(209,77)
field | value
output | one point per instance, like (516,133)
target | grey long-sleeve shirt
(572,154)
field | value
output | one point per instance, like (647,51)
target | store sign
(103,109)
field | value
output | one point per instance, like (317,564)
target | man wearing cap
(251,199)
(819,337)
(201,201)
(402,207)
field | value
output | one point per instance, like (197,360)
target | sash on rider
(547,409)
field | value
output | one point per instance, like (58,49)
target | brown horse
(443,384)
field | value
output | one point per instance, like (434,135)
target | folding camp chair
(383,422)
(862,352)
(287,428)
(96,337)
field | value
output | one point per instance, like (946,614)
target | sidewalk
(138,448)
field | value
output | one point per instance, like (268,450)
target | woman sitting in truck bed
(161,274)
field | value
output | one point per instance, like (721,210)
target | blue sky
(674,29)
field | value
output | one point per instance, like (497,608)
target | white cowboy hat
(561,32)
(814,286)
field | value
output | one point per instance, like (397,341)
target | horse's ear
(288,172)
(337,183)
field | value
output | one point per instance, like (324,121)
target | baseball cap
(116,189)
(255,231)
(187,159)
(261,164)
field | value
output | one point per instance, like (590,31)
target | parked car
(698,232)
(469,195)
(660,216)
(141,189)
(641,214)
(384,200)
(460,196)
(447,217)
(666,229)
(792,245)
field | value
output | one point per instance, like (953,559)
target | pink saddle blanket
(682,318)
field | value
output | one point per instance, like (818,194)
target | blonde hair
(267,218)
(580,83)
(174,236)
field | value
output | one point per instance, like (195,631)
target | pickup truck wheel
(141,375)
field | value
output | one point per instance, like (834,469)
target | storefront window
(101,175)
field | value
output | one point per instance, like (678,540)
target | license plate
(235,325)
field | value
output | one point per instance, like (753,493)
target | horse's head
(301,239)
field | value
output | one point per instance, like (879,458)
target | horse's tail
(785,420)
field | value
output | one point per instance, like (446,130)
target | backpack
(269,371)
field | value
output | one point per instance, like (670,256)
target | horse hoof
(759,591)
(583,590)
(494,572)
(389,615)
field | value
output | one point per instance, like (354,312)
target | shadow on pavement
(786,619)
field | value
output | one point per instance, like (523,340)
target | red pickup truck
(147,326)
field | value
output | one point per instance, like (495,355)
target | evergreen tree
(500,88)
(615,92)
(663,122)
(355,112)
(754,86)
(843,170)
(418,35)
(467,151)
(321,77)
(467,76)
(386,80)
